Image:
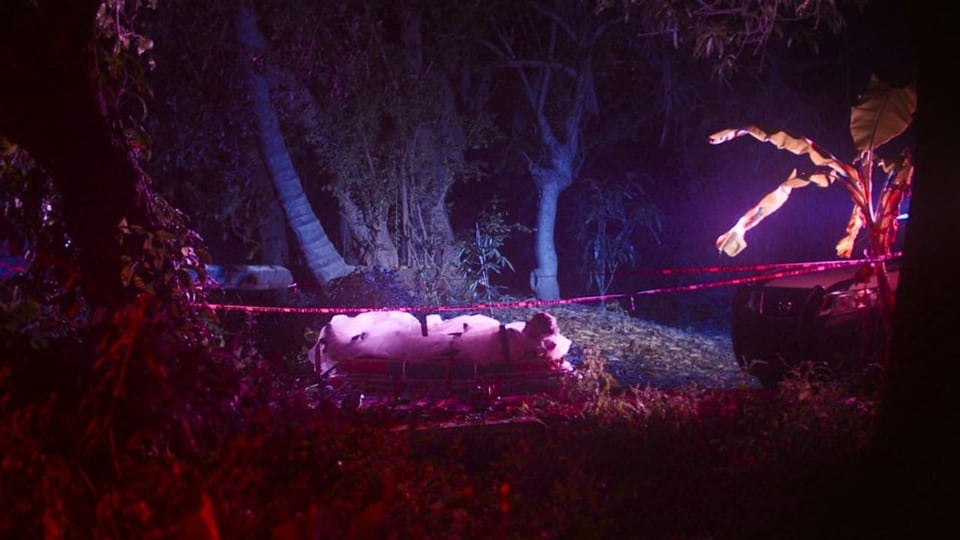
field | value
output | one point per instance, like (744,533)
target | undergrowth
(239,441)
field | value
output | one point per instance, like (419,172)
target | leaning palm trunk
(321,257)
(365,237)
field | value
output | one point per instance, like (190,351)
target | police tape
(785,270)
(813,265)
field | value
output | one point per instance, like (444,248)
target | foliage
(732,32)
(372,287)
(384,121)
(32,222)
(608,215)
(204,155)
(95,384)
(124,57)
(881,115)
(479,256)
(159,251)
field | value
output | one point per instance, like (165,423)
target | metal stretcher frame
(382,376)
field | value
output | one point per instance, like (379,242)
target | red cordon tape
(815,266)
(789,269)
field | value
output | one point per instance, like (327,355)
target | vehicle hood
(843,277)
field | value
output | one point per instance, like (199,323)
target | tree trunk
(428,155)
(913,477)
(439,223)
(551,180)
(557,167)
(365,240)
(321,257)
(543,278)
(449,148)
(372,247)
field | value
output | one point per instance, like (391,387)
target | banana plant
(882,114)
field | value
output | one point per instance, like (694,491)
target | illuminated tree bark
(559,88)
(550,183)
(321,257)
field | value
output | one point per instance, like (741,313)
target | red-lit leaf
(845,245)
(202,525)
(890,200)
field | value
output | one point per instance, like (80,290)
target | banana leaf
(733,241)
(793,144)
(882,114)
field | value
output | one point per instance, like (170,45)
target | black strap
(422,317)
(504,343)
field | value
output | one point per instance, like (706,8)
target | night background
(645,133)
(160,158)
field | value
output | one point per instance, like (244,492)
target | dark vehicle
(830,318)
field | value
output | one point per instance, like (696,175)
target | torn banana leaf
(791,143)
(733,241)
